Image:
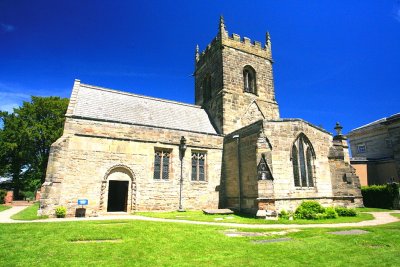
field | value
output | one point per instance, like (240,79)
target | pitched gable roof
(99,103)
(386,120)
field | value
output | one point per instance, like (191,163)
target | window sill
(305,188)
(198,182)
(161,180)
(248,92)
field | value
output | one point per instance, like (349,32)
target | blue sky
(334,60)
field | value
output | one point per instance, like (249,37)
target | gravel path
(380,218)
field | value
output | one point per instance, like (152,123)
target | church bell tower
(234,81)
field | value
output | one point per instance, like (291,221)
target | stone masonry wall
(346,186)
(282,134)
(281,193)
(230,107)
(246,143)
(211,65)
(237,102)
(81,164)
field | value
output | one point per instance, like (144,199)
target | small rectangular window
(161,164)
(361,149)
(199,166)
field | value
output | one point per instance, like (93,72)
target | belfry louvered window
(302,157)
(199,166)
(249,79)
(161,164)
(207,88)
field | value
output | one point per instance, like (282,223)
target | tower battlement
(236,42)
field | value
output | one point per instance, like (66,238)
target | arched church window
(206,88)
(249,78)
(302,157)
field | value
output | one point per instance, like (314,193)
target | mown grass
(200,216)
(4,207)
(373,210)
(140,243)
(29,214)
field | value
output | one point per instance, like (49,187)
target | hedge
(3,194)
(381,196)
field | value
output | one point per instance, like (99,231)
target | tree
(25,140)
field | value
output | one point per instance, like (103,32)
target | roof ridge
(137,95)
(376,122)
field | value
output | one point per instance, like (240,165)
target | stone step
(217,211)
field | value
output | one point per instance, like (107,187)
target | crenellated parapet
(235,41)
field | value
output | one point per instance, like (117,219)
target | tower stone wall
(230,107)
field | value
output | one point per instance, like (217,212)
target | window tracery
(161,164)
(199,166)
(302,157)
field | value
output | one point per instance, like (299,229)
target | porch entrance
(117,196)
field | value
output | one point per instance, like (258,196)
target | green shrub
(380,196)
(28,195)
(320,216)
(3,194)
(309,210)
(61,212)
(345,212)
(331,213)
(283,214)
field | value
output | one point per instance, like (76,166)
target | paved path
(6,214)
(380,218)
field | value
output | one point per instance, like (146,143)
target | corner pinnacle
(268,40)
(197,56)
(222,29)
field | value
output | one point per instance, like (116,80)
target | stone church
(125,152)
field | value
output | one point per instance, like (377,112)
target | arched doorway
(118,190)
(117,196)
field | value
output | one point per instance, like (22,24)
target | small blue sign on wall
(82,202)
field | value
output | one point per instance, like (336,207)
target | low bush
(61,212)
(283,214)
(309,210)
(331,213)
(3,194)
(312,210)
(345,212)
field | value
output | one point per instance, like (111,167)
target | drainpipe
(237,137)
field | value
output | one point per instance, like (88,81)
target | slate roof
(104,104)
(378,122)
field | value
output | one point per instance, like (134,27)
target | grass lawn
(373,210)
(140,243)
(199,216)
(3,207)
(28,214)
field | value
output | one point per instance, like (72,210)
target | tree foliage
(25,140)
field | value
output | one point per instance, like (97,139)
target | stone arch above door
(119,172)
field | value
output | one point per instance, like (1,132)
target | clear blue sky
(334,60)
